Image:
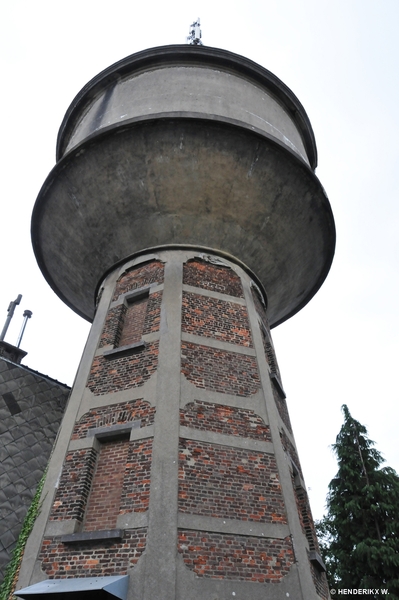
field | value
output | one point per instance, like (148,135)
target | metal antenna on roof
(195,35)
(27,315)
(10,313)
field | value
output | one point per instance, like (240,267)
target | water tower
(184,219)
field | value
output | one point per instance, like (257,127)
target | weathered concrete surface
(189,80)
(190,146)
(184,182)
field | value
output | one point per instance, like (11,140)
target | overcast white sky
(341,59)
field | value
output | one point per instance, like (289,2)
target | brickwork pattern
(282,408)
(117,414)
(138,277)
(306,519)
(270,356)
(119,373)
(133,321)
(97,489)
(221,481)
(226,420)
(259,306)
(320,582)
(153,315)
(116,321)
(92,559)
(219,370)
(105,495)
(216,319)
(74,486)
(113,326)
(136,485)
(199,273)
(236,557)
(289,448)
(301,497)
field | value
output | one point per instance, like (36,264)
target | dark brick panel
(113,326)
(136,485)
(92,559)
(123,372)
(219,370)
(127,468)
(106,489)
(138,277)
(282,408)
(117,414)
(260,309)
(199,273)
(225,482)
(320,582)
(227,420)
(74,485)
(237,557)
(119,318)
(133,322)
(290,450)
(216,319)
(153,314)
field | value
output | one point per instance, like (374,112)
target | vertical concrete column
(160,558)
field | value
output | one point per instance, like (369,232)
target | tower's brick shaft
(184,201)
(181,468)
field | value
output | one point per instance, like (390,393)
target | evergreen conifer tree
(360,533)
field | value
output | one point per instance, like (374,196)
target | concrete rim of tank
(189,55)
(81,265)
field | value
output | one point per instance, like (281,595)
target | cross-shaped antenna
(194,36)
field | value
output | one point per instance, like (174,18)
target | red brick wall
(113,326)
(153,314)
(133,322)
(138,277)
(114,374)
(74,485)
(320,582)
(219,370)
(225,420)
(301,496)
(199,273)
(118,320)
(245,558)
(92,559)
(282,408)
(105,496)
(233,483)
(98,490)
(216,319)
(117,414)
(290,450)
(131,465)
(136,484)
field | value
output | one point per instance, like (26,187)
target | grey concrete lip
(111,587)
(189,55)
